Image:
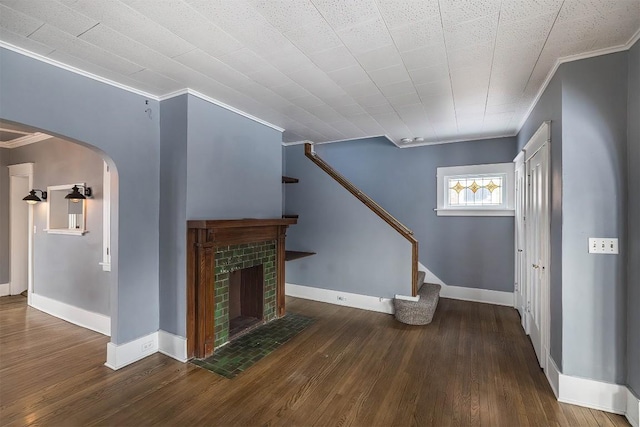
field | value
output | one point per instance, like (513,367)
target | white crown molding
(75,70)
(451,141)
(219,104)
(304,141)
(620,48)
(25,140)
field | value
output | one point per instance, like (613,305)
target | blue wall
(594,105)
(215,164)
(113,121)
(633,244)
(357,252)
(173,214)
(461,251)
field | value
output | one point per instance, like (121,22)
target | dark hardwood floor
(472,366)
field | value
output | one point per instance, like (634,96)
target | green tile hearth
(240,354)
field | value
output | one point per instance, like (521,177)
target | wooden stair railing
(376,208)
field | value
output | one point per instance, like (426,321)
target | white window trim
(106,218)
(488,169)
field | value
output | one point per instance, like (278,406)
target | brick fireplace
(235,279)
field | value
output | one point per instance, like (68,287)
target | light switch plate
(603,245)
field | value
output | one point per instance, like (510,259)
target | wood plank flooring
(472,366)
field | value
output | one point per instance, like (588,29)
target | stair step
(421,276)
(418,312)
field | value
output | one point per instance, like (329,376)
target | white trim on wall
(219,104)
(347,299)
(633,409)
(25,140)
(172,345)
(72,314)
(119,356)
(5,289)
(25,170)
(106,217)
(485,296)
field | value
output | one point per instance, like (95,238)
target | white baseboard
(76,315)
(553,375)
(5,289)
(119,356)
(477,295)
(633,409)
(364,302)
(172,345)
(468,294)
(593,394)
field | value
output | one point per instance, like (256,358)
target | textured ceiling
(324,70)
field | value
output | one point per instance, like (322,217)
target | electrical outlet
(601,245)
(341,298)
(147,346)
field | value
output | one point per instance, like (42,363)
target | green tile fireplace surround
(224,282)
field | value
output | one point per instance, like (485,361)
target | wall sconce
(75,196)
(32,199)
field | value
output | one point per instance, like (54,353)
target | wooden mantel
(203,237)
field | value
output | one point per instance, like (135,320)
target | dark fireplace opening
(246,297)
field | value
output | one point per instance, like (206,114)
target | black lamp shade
(75,195)
(32,198)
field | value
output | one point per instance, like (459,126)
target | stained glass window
(475,190)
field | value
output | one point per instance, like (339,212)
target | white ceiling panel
(516,10)
(349,76)
(133,24)
(333,59)
(56,14)
(25,42)
(185,22)
(419,34)
(398,14)
(84,50)
(342,14)
(387,76)
(314,37)
(332,69)
(399,88)
(365,36)
(17,22)
(478,31)
(425,57)
(381,57)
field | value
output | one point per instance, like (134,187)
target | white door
(19,232)
(520,287)
(537,236)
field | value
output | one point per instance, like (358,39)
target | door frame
(540,139)
(24,170)
(520,204)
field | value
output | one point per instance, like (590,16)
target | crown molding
(620,48)
(75,70)
(219,104)
(25,140)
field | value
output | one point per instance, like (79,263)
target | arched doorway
(72,273)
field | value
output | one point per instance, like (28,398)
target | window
(476,190)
